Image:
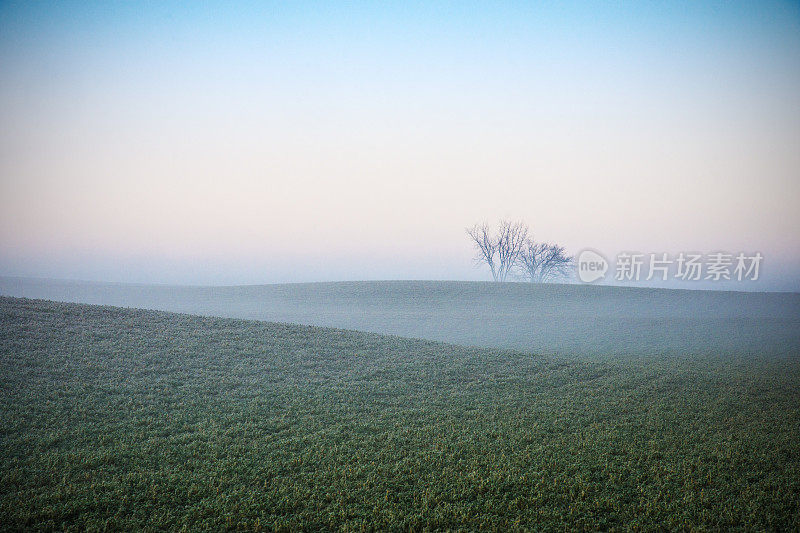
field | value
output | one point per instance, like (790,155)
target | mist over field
(400,266)
(562,319)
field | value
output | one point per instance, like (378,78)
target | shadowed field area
(116,418)
(572,320)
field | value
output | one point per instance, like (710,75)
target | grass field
(118,418)
(572,320)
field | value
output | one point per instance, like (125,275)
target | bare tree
(510,241)
(485,246)
(500,253)
(541,262)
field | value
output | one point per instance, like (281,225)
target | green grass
(116,418)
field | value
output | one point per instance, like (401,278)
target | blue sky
(265,142)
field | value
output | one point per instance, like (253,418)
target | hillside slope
(130,419)
(558,319)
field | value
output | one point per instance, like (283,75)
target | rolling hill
(131,419)
(554,319)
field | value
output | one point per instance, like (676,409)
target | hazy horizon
(266,143)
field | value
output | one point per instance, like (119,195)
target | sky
(240,143)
